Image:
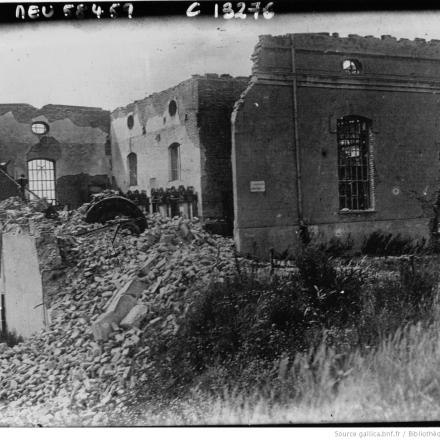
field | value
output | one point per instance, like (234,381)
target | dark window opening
(130,122)
(172,108)
(353,67)
(108,148)
(353,134)
(144,130)
(132,168)
(41,175)
(40,128)
(174,160)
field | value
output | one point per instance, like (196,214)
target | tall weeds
(338,340)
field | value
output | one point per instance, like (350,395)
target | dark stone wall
(398,89)
(263,150)
(217,95)
(76,189)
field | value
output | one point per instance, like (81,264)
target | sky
(112,63)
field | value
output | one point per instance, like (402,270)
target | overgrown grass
(297,346)
(380,243)
(396,381)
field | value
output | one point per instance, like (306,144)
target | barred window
(132,168)
(353,133)
(41,175)
(174,160)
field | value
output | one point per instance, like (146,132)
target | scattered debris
(107,292)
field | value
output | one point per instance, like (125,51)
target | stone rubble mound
(106,293)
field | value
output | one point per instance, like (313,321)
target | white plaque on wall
(258,186)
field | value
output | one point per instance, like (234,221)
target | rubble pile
(15,212)
(109,290)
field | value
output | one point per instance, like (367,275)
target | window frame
(364,171)
(172,108)
(132,173)
(174,173)
(42,123)
(357,65)
(40,191)
(130,121)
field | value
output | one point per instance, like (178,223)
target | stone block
(120,306)
(102,327)
(117,309)
(135,287)
(135,316)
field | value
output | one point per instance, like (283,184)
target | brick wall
(217,95)
(398,90)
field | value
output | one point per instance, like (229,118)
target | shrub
(337,247)
(236,332)
(379,243)
(407,297)
(332,294)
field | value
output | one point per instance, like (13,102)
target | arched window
(172,108)
(174,161)
(352,67)
(41,175)
(132,168)
(354,170)
(130,121)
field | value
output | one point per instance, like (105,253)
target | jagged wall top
(169,92)
(353,44)
(386,44)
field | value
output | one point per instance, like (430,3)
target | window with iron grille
(132,168)
(174,160)
(353,134)
(41,175)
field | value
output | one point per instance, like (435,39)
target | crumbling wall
(76,142)
(201,126)
(153,131)
(217,95)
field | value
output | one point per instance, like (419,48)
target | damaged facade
(339,136)
(63,151)
(176,146)
(334,136)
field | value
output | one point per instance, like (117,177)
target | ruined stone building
(338,135)
(64,151)
(176,146)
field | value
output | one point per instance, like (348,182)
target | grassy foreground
(398,381)
(335,343)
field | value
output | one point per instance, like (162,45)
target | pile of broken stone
(109,291)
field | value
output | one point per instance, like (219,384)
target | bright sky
(112,63)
